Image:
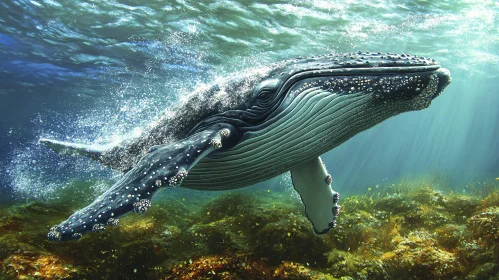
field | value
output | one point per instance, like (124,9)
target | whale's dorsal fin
(67,148)
(313,183)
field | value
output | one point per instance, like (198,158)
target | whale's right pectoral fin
(313,183)
(67,148)
(164,166)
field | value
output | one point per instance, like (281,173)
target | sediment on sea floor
(382,234)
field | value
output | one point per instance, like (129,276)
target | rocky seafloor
(398,233)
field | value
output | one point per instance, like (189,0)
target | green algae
(485,226)
(395,233)
(419,253)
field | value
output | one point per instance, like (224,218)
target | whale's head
(357,89)
(386,77)
(405,81)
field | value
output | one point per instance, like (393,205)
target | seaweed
(395,232)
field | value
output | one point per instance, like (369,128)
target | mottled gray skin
(254,126)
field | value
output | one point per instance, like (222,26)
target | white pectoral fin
(68,148)
(313,183)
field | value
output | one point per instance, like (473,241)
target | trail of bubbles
(39,174)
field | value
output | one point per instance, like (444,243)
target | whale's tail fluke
(67,148)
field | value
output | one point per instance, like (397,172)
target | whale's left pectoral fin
(164,166)
(313,183)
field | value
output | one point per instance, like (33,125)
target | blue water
(93,71)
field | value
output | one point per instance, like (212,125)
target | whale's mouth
(444,79)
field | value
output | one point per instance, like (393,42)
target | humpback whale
(254,125)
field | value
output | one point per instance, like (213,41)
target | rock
(290,239)
(485,226)
(418,257)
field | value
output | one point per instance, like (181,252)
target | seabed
(408,230)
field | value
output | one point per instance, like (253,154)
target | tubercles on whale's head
(402,82)
(399,82)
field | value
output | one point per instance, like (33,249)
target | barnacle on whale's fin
(313,183)
(164,166)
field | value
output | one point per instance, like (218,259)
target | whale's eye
(265,97)
(264,94)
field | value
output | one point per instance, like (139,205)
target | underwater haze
(93,71)
(99,71)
